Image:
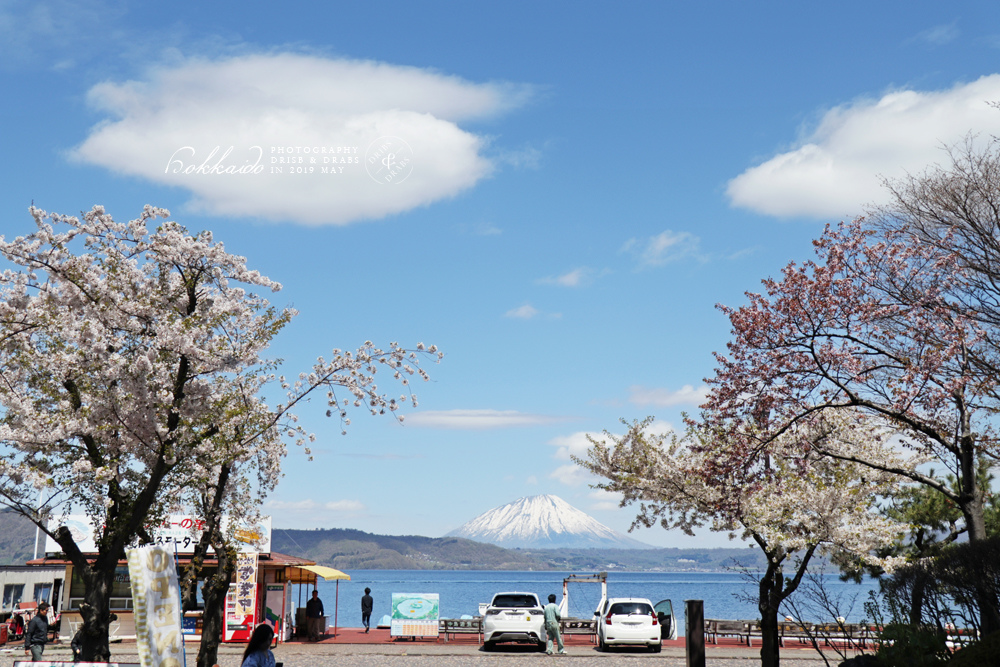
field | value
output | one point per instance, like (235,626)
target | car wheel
(655,648)
(489,646)
(602,646)
(542,646)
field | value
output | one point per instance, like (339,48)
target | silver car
(513,617)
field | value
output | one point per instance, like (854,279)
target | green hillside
(17,539)
(355,549)
(657,560)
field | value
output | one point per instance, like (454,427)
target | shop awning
(327,573)
(307,574)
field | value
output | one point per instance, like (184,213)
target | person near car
(552,618)
(36,635)
(367,604)
(314,616)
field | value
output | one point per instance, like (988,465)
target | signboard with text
(178,532)
(241,602)
(414,615)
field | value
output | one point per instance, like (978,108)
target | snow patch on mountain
(543,522)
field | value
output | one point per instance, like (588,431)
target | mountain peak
(541,522)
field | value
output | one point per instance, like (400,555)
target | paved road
(432,655)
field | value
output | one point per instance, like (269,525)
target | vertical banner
(246,584)
(241,602)
(156,602)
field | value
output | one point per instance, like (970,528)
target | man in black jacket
(36,635)
(314,616)
(367,604)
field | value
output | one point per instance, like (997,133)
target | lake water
(461,591)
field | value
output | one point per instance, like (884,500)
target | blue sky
(578,185)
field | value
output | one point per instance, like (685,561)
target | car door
(665,617)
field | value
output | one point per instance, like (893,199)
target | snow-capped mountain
(543,522)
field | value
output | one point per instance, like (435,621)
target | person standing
(552,618)
(314,616)
(36,635)
(367,604)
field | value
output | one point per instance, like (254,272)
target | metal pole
(37,528)
(336,608)
(180,600)
(694,633)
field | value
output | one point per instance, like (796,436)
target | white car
(513,617)
(635,622)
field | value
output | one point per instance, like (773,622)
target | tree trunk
(770,589)
(214,591)
(972,507)
(770,639)
(917,597)
(96,613)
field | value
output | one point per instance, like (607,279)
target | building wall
(46,580)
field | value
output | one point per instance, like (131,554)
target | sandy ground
(428,654)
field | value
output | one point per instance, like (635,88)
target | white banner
(157,605)
(178,531)
(246,584)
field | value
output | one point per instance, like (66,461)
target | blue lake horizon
(460,591)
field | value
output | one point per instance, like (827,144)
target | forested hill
(17,539)
(355,549)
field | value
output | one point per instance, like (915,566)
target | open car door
(665,617)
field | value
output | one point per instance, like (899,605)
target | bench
(578,626)
(461,626)
(848,633)
(716,628)
(804,632)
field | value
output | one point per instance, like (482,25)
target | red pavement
(381,636)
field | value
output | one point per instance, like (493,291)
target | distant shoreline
(347,549)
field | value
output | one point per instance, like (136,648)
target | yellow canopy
(327,573)
(307,574)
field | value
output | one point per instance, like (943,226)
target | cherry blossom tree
(132,371)
(789,500)
(874,324)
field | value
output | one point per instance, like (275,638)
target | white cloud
(574,278)
(572,475)
(604,500)
(477,419)
(662,398)
(528,157)
(940,35)
(525,312)
(836,170)
(350,506)
(260,105)
(665,247)
(479,229)
(575,444)
(35,30)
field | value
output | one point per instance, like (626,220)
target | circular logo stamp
(389,160)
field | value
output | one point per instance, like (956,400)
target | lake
(461,591)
